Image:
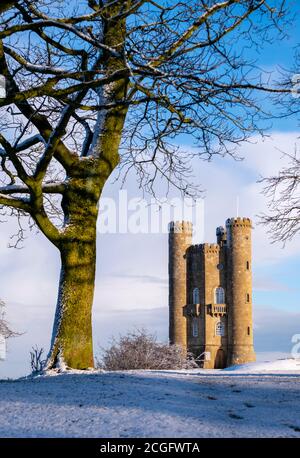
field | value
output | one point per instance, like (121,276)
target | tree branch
(48,188)
(19,204)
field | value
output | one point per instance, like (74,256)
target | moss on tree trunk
(72,331)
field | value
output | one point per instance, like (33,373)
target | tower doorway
(220,360)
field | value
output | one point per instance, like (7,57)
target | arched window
(247,265)
(220,328)
(219,295)
(195,327)
(196,296)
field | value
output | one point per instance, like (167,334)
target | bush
(140,350)
(37,363)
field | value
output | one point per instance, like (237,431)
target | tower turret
(180,238)
(239,291)
(221,235)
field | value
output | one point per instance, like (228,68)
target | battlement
(221,235)
(204,247)
(196,248)
(211,247)
(220,231)
(178,227)
(239,222)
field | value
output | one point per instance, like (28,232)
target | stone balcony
(217,309)
(192,310)
(212,309)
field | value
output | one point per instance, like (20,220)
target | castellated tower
(210,294)
(239,291)
(180,238)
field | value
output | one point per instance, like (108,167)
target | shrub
(140,350)
(37,362)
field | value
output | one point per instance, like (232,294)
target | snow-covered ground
(253,400)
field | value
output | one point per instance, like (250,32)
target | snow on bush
(140,350)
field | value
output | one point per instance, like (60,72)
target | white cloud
(262,282)
(266,156)
(273,329)
(225,179)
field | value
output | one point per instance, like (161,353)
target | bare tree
(5,329)
(37,363)
(107,84)
(283,193)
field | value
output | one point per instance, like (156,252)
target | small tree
(37,362)
(140,350)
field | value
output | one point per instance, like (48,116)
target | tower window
(247,297)
(248,331)
(196,296)
(247,265)
(220,329)
(219,295)
(195,327)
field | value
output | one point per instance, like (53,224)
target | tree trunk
(72,344)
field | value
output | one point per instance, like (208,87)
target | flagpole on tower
(237,206)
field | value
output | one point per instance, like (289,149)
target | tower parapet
(181,227)
(221,235)
(241,222)
(211,247)
(180,239)
(204,248)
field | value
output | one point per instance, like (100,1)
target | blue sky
(131,284)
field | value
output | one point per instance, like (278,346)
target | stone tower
(180,238)
(239,290)
(210,294)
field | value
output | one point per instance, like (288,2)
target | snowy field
(254,400)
